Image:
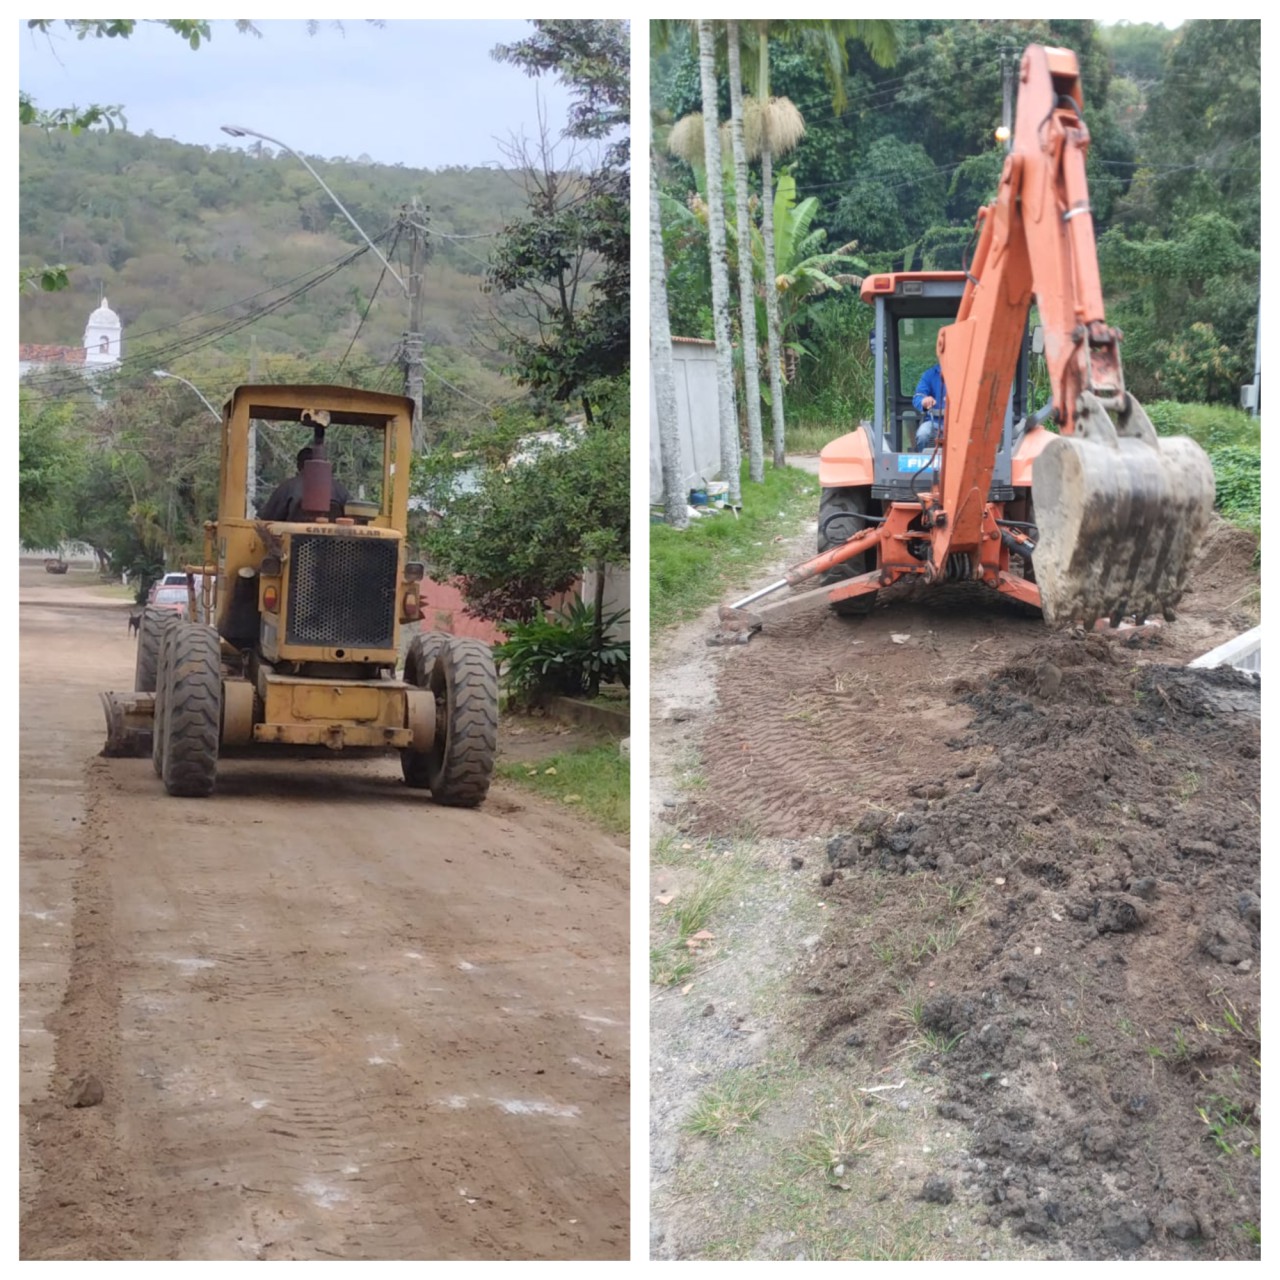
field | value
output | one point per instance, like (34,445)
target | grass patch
(834,1146)
(731,1104)
(811,437)
(596,780)
(669,964)
(691,569)
(1211,426)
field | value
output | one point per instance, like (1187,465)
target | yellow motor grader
(305,612)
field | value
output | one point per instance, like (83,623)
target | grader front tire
(465,683)
(193,712)
(419,663)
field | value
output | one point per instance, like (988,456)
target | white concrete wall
(698,407)
(617,595)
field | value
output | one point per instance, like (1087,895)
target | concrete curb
(585,713)
(1244,653)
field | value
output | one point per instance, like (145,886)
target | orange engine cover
(847,461)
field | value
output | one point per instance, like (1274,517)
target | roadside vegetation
(593,780)
(896,154)
(1233,441)
(691,569)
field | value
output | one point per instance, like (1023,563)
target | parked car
(171,597)
(169,580)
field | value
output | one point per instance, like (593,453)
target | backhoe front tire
(193,711)
(1023,509)
(465,683)
(419,663)
(155,622)
(838,513)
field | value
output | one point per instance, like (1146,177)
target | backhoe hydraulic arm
(1119,511)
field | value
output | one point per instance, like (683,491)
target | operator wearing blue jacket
(930,391)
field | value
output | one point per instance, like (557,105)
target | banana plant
(805,271)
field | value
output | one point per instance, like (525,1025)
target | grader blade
(1120,513)
(130,718)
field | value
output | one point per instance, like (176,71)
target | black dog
(134,621)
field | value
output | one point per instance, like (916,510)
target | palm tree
(782,126)
(746,285)
(675,504)
(730,456)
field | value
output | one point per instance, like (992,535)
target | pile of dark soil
(1062,924)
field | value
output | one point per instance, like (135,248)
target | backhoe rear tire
(419,663)
(193,711)
(838,513)
(153,625)
(465,683)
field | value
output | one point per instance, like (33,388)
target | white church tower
(102,338)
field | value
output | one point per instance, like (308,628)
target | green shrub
(559,654)
(1237,474)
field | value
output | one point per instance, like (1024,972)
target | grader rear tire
(193,711)
(159,716)
(419,663)
(155,622)
(465,683)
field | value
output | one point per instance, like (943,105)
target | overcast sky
(424,93)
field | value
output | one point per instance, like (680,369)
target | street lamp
(160,373)
(239,131)
(253,435)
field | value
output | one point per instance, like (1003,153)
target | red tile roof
(46,353)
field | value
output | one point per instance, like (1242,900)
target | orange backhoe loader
(1098,520)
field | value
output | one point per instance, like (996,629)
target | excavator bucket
(1120,512)
(130,719)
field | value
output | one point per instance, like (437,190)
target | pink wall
(443,610)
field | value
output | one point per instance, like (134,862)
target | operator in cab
(930,391)
(286,502)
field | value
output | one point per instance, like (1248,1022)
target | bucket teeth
(1120,513)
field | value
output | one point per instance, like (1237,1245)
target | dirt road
(327,1018)
(1008,875)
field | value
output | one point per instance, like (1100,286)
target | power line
(72,382)
(363,318)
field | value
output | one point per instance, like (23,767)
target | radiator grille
(342,591)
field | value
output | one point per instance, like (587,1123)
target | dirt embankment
(1098,1021)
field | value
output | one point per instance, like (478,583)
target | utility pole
(1256,408)
(413,221)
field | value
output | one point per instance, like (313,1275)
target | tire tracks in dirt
(330,1019)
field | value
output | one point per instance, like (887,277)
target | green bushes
(562,654)
(1233,441)
(1211,426)
(1237,474)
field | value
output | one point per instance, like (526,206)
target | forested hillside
(182,239)
(898,159)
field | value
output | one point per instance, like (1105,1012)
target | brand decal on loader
(914,461)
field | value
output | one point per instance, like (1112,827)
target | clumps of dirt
(1062,926)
